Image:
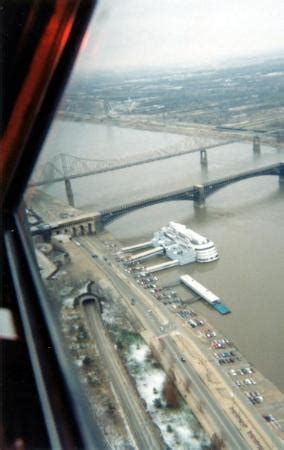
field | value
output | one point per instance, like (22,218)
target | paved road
(231,435)
(141,427)
(227,429)
(153,322)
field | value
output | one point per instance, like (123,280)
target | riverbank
(185,129)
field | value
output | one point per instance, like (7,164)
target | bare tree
(188,384)
(217,442)
(170,392)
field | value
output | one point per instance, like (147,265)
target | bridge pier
(281,178)
(199,196)
(99,224)
(256,144)
(69,192)
(203,157)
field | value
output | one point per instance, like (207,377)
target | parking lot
(246,382)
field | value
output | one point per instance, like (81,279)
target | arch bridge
(197,193)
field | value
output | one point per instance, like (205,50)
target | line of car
(245,382)
(220,343)
(228,357)
(254,397)
(151,282)
(210,333)
(148,281)
(225,357)
(195,323)
(242,371)
(186,313)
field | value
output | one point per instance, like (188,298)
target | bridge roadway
(86,164)
(196,193)
(141,427)
(230,434)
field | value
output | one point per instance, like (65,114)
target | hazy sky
(152,33)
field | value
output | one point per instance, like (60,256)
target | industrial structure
(77,225)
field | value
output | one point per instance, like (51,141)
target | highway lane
(143,432)
(228,430)
(127,287)
(176,327)
(214,411)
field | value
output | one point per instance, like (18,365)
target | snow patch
(68,302)
(138,353)
(179,428)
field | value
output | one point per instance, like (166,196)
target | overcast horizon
(131,35)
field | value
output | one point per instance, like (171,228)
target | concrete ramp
(134,247)
(165,265)
(146,254)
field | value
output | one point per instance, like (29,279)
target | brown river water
(245,220)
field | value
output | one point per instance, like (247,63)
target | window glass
(156,210)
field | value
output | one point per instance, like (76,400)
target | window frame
(67,414)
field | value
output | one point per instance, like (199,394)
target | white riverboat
(184,244)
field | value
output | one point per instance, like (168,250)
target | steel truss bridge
(197,193)
(67,167)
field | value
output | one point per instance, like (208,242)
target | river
(245,220)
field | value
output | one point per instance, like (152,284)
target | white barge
(207,295)
(196,287)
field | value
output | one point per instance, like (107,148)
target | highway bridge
(64,168)
(197,193)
